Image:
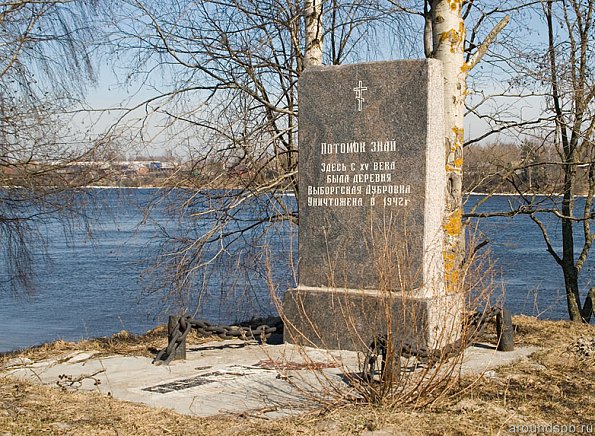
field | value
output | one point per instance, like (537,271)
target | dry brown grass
(553,386)
(120,343)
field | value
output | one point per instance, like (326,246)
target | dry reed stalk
(407,379)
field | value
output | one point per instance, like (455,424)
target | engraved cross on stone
(359,95)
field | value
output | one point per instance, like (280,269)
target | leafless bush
(399,366)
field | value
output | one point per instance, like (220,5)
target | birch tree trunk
(313,18)
(448,36)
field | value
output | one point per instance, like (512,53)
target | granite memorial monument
(371,202)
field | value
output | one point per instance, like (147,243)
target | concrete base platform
(216,378)
(223,377)
(350,319)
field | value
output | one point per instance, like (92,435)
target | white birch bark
(313,18)
(448,36)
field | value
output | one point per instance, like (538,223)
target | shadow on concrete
(484,346)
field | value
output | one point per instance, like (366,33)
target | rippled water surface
(91,283)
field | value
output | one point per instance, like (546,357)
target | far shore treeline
(499,168)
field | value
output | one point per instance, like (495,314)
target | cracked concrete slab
(223,377)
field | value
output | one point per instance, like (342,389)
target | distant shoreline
(510,194)
(477,194)
(291,193)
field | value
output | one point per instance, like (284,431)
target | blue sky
(490,79)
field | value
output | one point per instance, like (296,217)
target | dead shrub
(395,363)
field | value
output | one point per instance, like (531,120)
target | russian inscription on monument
(371,152)
(372,196)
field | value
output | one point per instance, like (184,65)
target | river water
(93,283)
